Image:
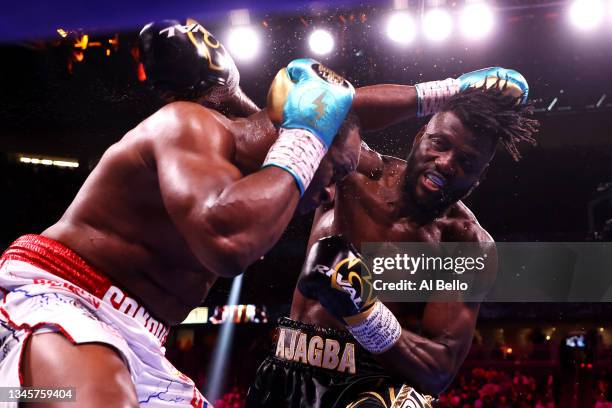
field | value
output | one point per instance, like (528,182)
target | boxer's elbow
(232,257)
(234,240)
(224,253)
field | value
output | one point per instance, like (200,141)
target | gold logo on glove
(328,75)
(321,106)
(207,45)
(352,276)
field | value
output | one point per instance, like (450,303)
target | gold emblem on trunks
(408,397)
(294,345)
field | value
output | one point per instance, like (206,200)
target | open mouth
(434,181)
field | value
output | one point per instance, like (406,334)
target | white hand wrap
(379,331)
(432,95)
(299,152)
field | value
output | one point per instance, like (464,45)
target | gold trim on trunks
(315,351)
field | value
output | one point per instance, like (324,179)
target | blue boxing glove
(515,84)
(319,101)
(308,95)
(309,102)
(432,95)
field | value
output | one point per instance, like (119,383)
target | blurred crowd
(484,388)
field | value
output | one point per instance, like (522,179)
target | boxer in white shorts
(83,305)
(186,196)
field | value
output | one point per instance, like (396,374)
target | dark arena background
(69,90)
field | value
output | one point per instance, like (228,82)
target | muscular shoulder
(374,166)
(188,125)
(461,225)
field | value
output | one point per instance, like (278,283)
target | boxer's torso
(367,209)
(119,224)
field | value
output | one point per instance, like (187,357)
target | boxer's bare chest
(365,211)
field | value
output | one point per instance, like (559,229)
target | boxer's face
(340,160)
(446,162)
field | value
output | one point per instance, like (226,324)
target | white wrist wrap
(379,331)
(299,152)
(432,95)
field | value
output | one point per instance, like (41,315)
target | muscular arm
(229,221)
(432,359)
(380,106)
(377,106)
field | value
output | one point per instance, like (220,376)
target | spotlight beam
(586,15)
(401,28)
(220,357)
(243,43)
(476,20)
(437,24)
(321,42)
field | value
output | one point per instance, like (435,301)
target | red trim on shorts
(31,330)
(53,257)
(61,261)
(196,401)
(25,326)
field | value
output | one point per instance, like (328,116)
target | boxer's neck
(253,135)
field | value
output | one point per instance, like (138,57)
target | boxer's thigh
(97,371)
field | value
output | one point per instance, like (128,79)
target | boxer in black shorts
(336,352)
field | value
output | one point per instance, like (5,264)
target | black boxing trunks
(311,366)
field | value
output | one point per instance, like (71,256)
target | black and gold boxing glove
(336,276)
(186,62)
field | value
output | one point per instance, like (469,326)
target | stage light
(437,24)
(476,20)
(586,14)
(49,162)
(321,42)
(221,354)
(401,28)
(243,43)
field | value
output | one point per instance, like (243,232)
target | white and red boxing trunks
(46,287)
